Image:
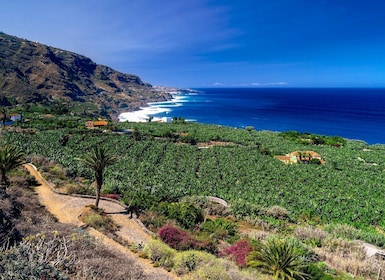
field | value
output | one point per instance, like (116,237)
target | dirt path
(68,208)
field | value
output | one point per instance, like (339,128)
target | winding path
(68,208)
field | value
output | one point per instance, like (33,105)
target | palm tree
(280,258)
(10,158)
(98,159)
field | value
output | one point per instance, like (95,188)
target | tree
(4,115)
(280,258)
(98,159)
(10,158)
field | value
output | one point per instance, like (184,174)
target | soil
(68,208)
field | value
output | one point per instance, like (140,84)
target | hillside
(33,73)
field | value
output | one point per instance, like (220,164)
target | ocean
(354,113)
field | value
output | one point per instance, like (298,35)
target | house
(96,124)
(301,157)
(15,117)
(166,119)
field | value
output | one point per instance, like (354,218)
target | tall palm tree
(10,158)
(98,159)
(280,258)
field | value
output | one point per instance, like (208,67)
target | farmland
(169,161)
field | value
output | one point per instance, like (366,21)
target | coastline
(159,108)
(153,108)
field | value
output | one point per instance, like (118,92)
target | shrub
(221,228)
(179,239)
(159,253)
(208,207)
(175,237)
(94,220)
(212,272)
(97,219)
(188,261)
(310,235)
(317,273)
(277,212)
(206,244)
(185,214)
(140,198)
(37,258)
(153,221)
(238,252)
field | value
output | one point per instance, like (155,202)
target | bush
(37,258)
(212,272)
(277,212)
(208,207)
(310,235)
(97,219)
(316,273)
(220,228)
(238,252)
(94,220)
(185,214)
(188,261)
(179,239)
(159,253)
(175,237)
(206,244)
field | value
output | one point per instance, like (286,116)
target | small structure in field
(15,117)
(96,124)
(304,157)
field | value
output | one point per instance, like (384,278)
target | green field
(167,161)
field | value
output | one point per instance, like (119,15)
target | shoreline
(153,108)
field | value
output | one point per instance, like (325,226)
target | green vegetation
(10,158)
(313,139)
(280,257)
(98,159)
(98,219)
(347,189)
(165,170)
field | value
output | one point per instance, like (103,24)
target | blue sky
(202,43)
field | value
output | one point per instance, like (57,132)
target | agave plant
(10,158)
(280,258)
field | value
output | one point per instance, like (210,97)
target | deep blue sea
(350,113)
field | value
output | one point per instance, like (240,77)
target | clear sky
(200,43)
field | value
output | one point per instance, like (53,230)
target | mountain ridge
(35,73)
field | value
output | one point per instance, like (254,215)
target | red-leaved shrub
(181,240)
(238,252)
(175,237)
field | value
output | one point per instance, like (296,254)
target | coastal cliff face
(34,73)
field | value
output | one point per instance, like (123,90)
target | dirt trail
(68,208)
